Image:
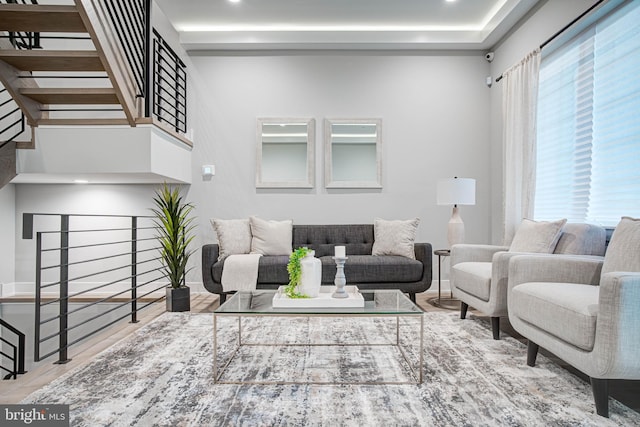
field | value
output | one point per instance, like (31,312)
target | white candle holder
(340,281)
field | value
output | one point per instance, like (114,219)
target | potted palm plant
(174,228)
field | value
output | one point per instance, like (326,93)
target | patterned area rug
(163,375)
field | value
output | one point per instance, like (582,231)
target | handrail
(10,128)
(62,264)
(18,352)
(170,85)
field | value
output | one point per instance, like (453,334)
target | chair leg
(600,388)
(495,327)
(532,353)
(463,309)
(412,297)
(223,298)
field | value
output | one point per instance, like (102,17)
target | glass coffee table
(252,307)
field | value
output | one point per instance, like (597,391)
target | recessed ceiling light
(234,1)
(81,181)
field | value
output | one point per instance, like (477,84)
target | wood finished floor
(13,391)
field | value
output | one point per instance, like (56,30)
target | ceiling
(343,24)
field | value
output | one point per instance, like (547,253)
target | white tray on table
(323,300)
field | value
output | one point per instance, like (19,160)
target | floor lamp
(456,191)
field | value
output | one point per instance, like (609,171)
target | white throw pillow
(234,236)
(271,237)
(395,237)
(537,236)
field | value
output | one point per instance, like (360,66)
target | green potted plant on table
(174,228)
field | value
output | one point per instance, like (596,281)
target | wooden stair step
(83,122)
(40,18)
(53,60)
(71,96)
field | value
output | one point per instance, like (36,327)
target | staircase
(88,62)
(79,71)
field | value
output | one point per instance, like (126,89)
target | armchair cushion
(474,278)
(624,247)
(582,239)
(537,236)
(551,307)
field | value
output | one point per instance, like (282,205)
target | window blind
(588,129)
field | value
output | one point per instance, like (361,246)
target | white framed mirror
(285,153)
(353,153)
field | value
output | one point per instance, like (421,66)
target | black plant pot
(178,299)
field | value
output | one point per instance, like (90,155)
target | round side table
(449,303)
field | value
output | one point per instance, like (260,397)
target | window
(588,129)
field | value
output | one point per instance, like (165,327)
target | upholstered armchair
(585,311)
(479,273)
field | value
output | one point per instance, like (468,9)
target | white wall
(435,121)
(544,22)
(7,239)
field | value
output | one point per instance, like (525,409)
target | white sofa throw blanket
(240,272)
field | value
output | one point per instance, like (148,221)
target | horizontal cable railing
(101,258)
(169,85)
(16,358)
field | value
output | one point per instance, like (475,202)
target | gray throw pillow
(537,236)
(271,237)
(395,237)
(234,236)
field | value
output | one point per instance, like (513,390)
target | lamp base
(455,229)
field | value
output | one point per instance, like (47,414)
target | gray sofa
(361,269)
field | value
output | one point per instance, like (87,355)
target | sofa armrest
(474,253)
(554,268)
(210,253)
(617,333)
(424,254)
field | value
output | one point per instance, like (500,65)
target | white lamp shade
(456,191)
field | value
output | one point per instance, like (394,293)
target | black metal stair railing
(16,358)
(88,260)
(20,39)
(11,119)
(169,85)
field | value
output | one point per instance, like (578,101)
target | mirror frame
(309,180)
(328,156)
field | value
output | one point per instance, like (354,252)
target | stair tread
(72,96)
(53,60)
(40,18)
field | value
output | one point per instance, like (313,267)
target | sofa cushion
(474,278)
(357,238)
(537,236)
(234,236)
(369,269)
(395,237)
(567,311)
(271,237)
(358,269)
(624,247)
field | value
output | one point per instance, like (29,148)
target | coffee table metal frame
(218,371)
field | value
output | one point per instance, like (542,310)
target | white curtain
(519,99)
